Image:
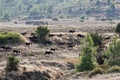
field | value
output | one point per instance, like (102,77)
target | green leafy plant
(10,38)
(115,49)
(117,28)
(86,64)
(42,32)
(97,39)
(12,64)
(87,55)
(115,61)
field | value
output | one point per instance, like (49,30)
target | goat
(6,48)
(60,35)
(2,47)
(24,33)
(33,34)
(70,45)
(71,31)
(48,52)
(100,60)
(28,44)
(33,39)
(51,35)
(16,52)
(80,35)
(53,49)
(61,44)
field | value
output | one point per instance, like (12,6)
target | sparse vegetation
(115,61)
(10,38)
(12,64)
(61,62)
(96,71)
(114,69)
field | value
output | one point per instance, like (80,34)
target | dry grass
(74,61)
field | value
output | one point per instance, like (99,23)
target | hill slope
(37,9)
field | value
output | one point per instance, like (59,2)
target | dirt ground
(34,54)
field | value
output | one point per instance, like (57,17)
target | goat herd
(69,45)
(15,52)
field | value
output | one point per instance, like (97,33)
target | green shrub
(87,55)
(114,49)
(114,62)
(96,39)
(117,28)
(96,71)
(10,38)
(42,32)
(12,64)
(114,69)
(55,19)
(86,64)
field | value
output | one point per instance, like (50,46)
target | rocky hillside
(37,9)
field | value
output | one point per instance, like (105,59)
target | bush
(117,28)
(114,69)
(12,64)
(87,55)
(114,49)
(86,64)
(42,32)
(10,38)
(55,19)
(114,62)
(96,71)
(96,39)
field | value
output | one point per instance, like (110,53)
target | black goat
(6,48)
(16,52)
(48,52)
(28,44)
(71,31)
(80,35)
(24,33)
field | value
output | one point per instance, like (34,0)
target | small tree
(97,39)
(87,55)
(115,49)
(118,28)
(12,64)
(114,55)
(42,32)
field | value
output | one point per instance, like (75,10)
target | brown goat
(53,49)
